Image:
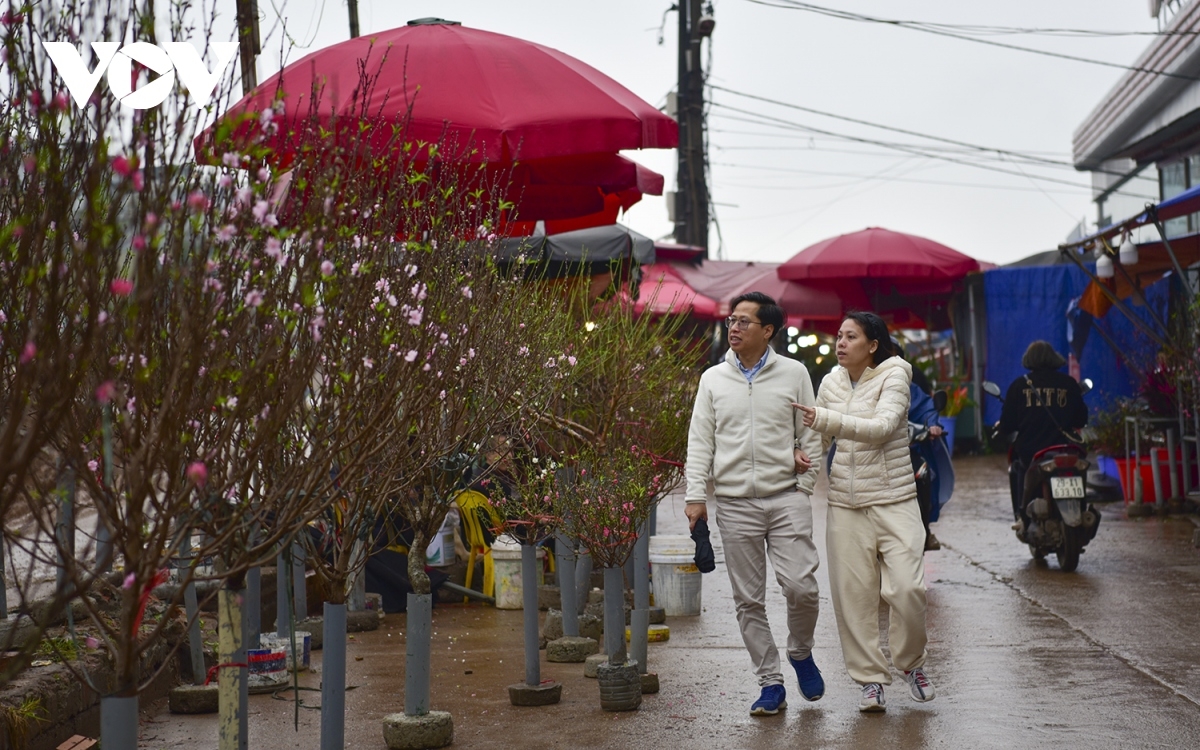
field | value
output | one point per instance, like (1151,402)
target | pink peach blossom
(105,392)
(197,473)
(122,166)
(198,201)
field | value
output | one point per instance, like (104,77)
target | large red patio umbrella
(508,98)
(879,254)
(550,123)
(574,203)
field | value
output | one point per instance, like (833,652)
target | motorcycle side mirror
(940,398)
(991,388)
(1085,386)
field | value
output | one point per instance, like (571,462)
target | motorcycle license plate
(1064,487)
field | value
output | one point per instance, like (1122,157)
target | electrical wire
(1049,197)
(815,147)
(911,180)
(914,150)
(906,148)
(862,187)
(315,28)
(1028,157)
(818,146)
(947,30)
(990,30)
(820,173)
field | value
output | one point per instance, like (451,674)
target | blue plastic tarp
(1026,304)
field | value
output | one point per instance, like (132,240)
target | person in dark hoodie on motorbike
(1044,408)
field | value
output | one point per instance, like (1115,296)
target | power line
(815,147)
(822,173)
(811,139)
(991,30)
(1032,158)
(949,31)
(890,128)
(914,150)
(907,149)
(1042,190)
(915,180)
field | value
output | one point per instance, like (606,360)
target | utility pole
(353,6)
(691,197)
(249,42)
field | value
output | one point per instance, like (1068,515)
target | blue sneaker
(812,685)
(772,699)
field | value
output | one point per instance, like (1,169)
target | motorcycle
(1057,515)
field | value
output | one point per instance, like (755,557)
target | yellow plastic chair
(470,503)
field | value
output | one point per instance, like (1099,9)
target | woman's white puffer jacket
(871,463)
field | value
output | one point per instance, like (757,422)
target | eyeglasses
(740,323)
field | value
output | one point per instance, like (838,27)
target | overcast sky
(779,190)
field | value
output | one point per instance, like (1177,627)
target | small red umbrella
(662,292)
(880,254)
(906,278)
(504,98)
(723,280)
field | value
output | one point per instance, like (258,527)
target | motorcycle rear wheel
(1068,553)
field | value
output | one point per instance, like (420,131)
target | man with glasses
(746,437)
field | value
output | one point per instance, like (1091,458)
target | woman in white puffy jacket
(874,535)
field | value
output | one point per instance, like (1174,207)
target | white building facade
(1142,141)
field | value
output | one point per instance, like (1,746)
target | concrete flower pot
(620,686)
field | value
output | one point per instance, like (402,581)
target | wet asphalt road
(1022,656)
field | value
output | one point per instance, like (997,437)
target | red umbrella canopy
(879,254)
(503,97)
(723,280)
(662,292)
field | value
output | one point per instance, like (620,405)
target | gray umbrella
(596,244)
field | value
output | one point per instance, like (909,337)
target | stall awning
(1187,202)
(1153,261)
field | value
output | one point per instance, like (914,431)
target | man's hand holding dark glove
(706,561)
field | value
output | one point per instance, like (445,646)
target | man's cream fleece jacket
(742,434)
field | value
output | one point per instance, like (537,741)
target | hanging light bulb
(1129,252)
(1104,267)
(1097,248)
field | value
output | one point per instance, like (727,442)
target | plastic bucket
(284,643)
(506,556)
(675,578)
(440,552)
(267,668)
